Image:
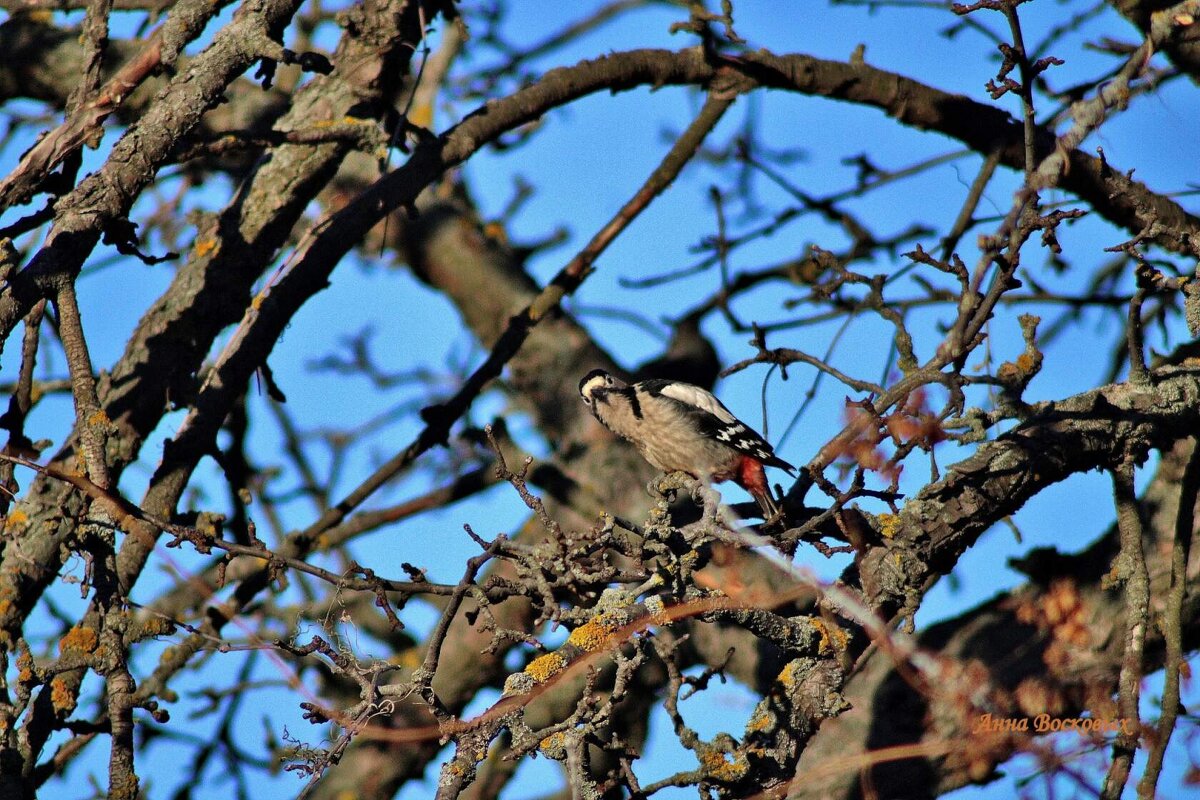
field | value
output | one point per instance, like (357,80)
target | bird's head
(596,384)
(600,391)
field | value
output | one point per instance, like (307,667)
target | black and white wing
(713,419)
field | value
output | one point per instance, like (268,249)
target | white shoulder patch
(695,396)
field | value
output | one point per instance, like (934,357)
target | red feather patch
(750,475)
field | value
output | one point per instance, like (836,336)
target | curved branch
(1093,430)
(1015,649)
(1125,202)
(107,194)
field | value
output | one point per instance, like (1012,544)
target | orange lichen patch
(722,766)
(595,633)
(888,525)
(789,674)
(62,698)
(206,246)
(15,520)
(543,668)
(24,666)
(760,720)
(80,639)
(554,746)
(155,626)
(98,417)
(830,636)
(421,114)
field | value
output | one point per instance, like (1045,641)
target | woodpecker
(680,427)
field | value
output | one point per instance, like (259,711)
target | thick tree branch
(1092,430)
(1171,24)
(106,195)
(209,292)
(1033,653)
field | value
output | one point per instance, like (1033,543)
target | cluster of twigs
(661,594)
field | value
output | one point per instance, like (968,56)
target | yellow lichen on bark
(79,639)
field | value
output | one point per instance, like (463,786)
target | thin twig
(1026,86)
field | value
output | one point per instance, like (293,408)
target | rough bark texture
(662,590)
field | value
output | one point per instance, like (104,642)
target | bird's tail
(767,503)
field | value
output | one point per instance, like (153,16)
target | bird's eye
(587,401)
(608,379)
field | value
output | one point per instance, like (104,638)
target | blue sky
(585,162)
